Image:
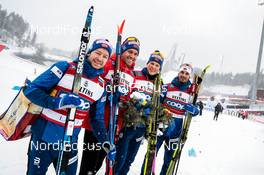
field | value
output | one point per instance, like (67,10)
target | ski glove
(146,111)
(68,101)
(110,150)
(192,109)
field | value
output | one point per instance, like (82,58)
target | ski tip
(91,10)
(120,29)
(207,67)
(89,17)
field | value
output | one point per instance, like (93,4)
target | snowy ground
(230,146)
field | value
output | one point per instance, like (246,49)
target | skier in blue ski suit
(132,133)
(175,97)
(52,91)
(177,100)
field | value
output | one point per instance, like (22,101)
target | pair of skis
(149,161)
(174,163)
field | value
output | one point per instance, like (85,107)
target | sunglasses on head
(133,39)
(186,64)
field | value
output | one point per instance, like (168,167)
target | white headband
(186,69)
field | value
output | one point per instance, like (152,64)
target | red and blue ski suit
(48,129)
(127,81)
(176,96)
(130,137)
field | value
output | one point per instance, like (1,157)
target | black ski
(65,146)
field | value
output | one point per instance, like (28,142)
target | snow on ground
(229,146)
(14,71)
(56,57)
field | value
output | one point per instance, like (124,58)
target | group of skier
(101,92)
(52,91)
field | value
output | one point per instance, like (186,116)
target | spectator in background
(201,106)
(243,114)
(218,109)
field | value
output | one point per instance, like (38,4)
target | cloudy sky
(223,33)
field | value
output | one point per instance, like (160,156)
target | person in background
(218,109)
(201,106)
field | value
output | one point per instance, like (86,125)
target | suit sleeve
(38,90)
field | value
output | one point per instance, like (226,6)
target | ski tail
(174,163)
(66,144)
